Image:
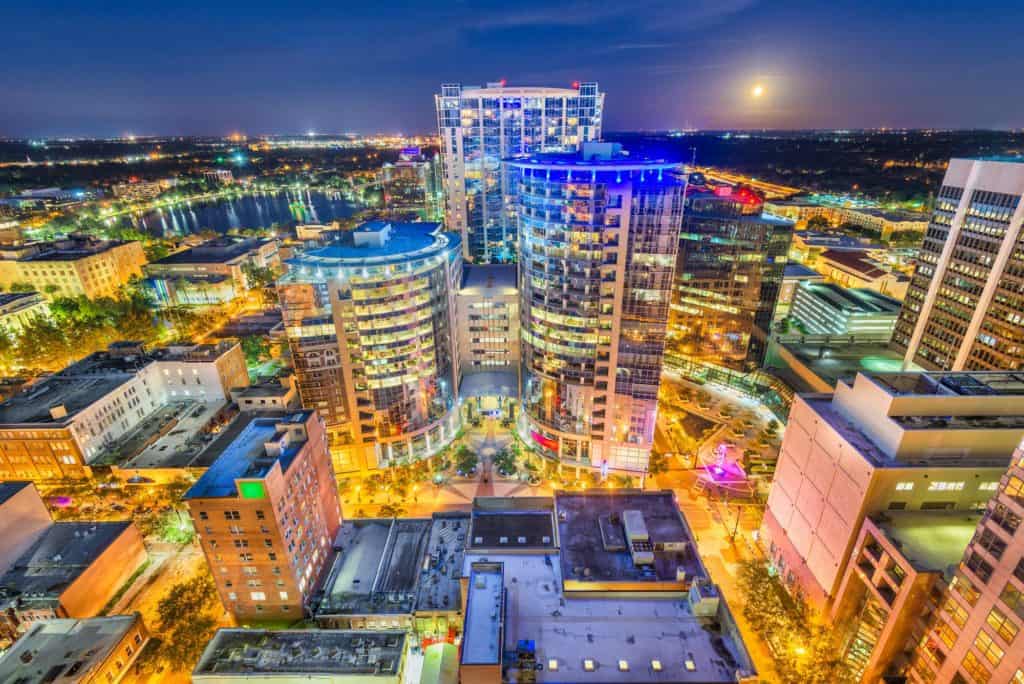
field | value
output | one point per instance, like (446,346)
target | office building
(598,235)
(57,427)
(827,309)
(266,513)
(727,277)
(18,309)
(98,650)
(792,275)
(885,442)
(214,272)
(370,320)
(73,267)
(337,656)
(58,570)
(412,186)
(972,635)
(963,310)
(482,126)
(603,585)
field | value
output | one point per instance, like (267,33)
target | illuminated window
(690,665)
(956,612)
(553,665)
(588,665)
(258,595)
(904,486)
(623,666)
(1002,625)
(656,665)
(987,646)
(988,486)
(945,486)
(973,667)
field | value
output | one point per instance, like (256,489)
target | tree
(391,510)
(817,222)
(465,460)
(22,287)
(658,464)
(186,620)
(256,349)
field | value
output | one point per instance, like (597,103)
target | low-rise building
(94,651)
(266,512)
(338,656)
(73,267)
(830,310)
(18,309)
(886,441)
(275,394)
(57,427)
(63,569)
(140,190)
(210,273)
(792,275)
(618,595)
(855,269)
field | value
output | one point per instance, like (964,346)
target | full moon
(757,90)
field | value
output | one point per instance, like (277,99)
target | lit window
(945,486)
(258,595)
(284,595)
(553,665)
(623,666)
(656,665)
(588,665)
(904,486)
(988,486)
(690,665)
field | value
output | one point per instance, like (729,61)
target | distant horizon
(201,69)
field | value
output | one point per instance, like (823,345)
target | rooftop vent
(59,411)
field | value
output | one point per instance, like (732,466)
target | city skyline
(738,64)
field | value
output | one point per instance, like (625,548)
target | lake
(257,210)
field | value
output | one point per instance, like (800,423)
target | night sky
(288,67)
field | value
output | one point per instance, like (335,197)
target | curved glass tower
(598,235)
(370,320)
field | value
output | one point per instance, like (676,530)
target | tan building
(73,267)
(57,427)
(267,513)
(64,569)
(855,269)
(94,651)
(888,441)
(18,309)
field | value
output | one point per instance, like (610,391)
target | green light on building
(252,490)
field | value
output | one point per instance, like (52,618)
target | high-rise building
(728,276)
(266,512)
(972,636)
(411,186)
(370,319)
(598,234)
(888,442)
(963,309)
(480,127)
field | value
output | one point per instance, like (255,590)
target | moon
(757,90)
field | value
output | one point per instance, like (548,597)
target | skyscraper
(479,127)
(370,319)
(598,234)
(728,276)
(964,309)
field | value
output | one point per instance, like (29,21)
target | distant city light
(757,90)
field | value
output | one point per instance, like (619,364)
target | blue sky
(262,67)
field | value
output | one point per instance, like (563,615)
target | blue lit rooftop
(601,156)
(379,243)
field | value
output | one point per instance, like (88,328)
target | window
(1018,570)
(945,486)
(956,612)
(946,633)
(904,486)
(973,667)
(991,542)
(1013,599)
(260,515)
(965,588)
(987,646)
(1002,625)
(283,595)
(257,596)
(656,665)
(203,515)
(553,665)
(979,566)
(232,515)
(588,665)
(988,486)
(232,596)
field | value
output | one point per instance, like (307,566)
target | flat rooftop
(173,436)
(481,634)
(250,324)
(380,242)
(396,566)
(489,279)
(58,557)
(9,489)
(930,540)
(965,384)
(245,456)
(268,388)
(64,650)
(217,251)
(841,361)
(795,270)
(594,544)
(853,300)
(253,652)
(507,522)
(72,250)
(607,629)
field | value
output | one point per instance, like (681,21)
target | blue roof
(414,239)
(794,270)
(246,458)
